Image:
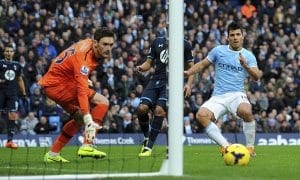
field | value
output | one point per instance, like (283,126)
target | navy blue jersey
(9,73)
(159,54)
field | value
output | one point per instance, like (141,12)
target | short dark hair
(234,26)
(103,32)
(8,45)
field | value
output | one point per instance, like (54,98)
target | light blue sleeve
(212,55)
(251,59)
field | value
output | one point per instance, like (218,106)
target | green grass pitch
(200,162)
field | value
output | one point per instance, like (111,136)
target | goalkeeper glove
(90,127)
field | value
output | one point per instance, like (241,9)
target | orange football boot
(11,145)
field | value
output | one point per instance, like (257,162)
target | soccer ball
(236,154)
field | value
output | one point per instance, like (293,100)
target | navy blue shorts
(8,101)
(155,94)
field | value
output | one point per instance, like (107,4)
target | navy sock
(10,130)
(144,124)
(155,129)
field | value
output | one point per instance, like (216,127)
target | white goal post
(175,112)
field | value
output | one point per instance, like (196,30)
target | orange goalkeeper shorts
(66,96)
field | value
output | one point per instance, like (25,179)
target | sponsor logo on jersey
(164,56)
(10,75)
(229,67)
(84,70)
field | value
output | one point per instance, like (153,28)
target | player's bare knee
(159,111)
(142,113)
(12,116)
(204,117)
(105,101)
(142,109)
(246,114)
(100,99)
(248,117)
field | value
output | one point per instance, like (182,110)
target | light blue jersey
(229,73)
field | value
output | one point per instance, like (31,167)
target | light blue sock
(214,133)
(249,131)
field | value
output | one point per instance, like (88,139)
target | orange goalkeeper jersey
(71,69)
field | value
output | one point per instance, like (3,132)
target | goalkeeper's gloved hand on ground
(90,127)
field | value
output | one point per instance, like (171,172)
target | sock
(53,154)
(68,131)
(98,113)
(249,131)
(144,124)
(214,133)
(10,130)
(155,129)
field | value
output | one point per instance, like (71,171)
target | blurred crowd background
(40,30)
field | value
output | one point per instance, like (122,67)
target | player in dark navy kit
(11,81)
(154,96)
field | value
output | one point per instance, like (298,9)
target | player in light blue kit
(232,64)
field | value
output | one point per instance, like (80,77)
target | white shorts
(222,104)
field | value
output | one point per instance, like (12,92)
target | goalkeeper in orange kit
(66,82)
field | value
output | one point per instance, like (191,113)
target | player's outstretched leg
(68,131)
